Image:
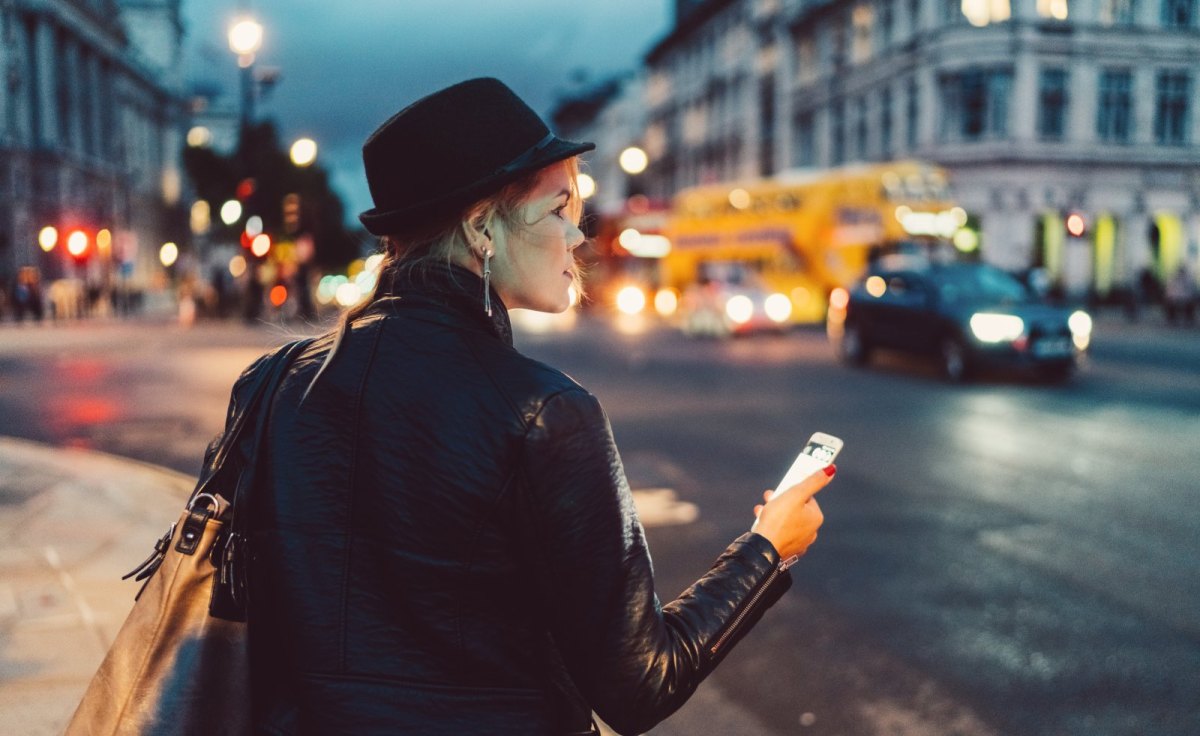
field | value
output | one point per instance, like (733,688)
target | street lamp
(48,238)
(304,152)
(633,160)
(245,39)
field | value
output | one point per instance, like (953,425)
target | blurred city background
(963,235)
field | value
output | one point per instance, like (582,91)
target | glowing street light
(104,241)
(261,245)
(304,152)
(168,254)
(77,243)
(48,238)
(231,211)
(245,38)
(199,137)
(633,160)
(237,266)
(586,184)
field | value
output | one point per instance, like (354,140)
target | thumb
(809,487)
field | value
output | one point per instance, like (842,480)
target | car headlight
(1081,329)
(739,309)
(778,308)
(996,327)
(666,301)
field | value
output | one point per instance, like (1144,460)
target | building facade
(1038,109)
(91,114)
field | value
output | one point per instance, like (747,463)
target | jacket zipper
(745,611)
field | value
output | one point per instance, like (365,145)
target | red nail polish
(830,469)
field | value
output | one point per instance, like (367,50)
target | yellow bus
(798,235)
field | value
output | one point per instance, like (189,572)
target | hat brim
(387,222)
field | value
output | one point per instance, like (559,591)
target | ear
(477,230)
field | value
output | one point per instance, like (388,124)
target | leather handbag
(180,662)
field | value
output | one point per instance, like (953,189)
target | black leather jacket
(444,542)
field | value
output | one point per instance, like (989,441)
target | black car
(967,315)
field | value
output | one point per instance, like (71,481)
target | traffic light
(291,214)
(245,189)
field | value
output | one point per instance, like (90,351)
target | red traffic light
(245,188)
(77,244)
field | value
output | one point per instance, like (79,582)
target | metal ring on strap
(208,498)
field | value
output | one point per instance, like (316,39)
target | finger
(757,510)
(767,494)
(808,487)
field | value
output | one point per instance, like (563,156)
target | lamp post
(633,161)
(245,39)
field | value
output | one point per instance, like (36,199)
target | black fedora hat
(447,151)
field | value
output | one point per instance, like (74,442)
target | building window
(860,129)
(837,132)
(766,125)
(1056,9)
(887,22)
(63,75)
(1052,104)
(984,12)
(807,65)
(861,19)
(1116,12)
(912,113)
(885,124)
(837,43)
(805,154)
(1178,13)
(976,104)
(1171,110)
(914,15)
(952,11)
(1115,111)
(33,68)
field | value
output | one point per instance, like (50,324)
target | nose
(575,237)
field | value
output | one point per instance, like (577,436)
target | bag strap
(266,381)
(229,555)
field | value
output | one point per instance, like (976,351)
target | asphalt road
(998,558)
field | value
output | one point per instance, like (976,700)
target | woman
(445,542)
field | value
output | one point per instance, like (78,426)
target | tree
(262,169)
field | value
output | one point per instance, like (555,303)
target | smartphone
(819,452)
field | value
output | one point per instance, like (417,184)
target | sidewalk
(71,523)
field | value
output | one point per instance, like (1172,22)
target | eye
(559,210)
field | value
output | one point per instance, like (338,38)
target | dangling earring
(487,282)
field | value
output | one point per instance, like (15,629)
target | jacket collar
(445,288)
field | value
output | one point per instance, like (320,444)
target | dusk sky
(346,67)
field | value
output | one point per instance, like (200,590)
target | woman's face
(534,267)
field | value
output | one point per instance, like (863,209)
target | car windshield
(979,283)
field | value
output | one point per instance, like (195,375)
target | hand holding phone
(817,454)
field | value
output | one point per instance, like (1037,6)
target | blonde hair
(434,244)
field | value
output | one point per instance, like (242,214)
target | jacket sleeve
(634,660)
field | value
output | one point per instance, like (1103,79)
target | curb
(72,521)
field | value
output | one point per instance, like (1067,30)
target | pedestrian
(445,541)
(1179,297)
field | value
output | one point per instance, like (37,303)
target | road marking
(662,507)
